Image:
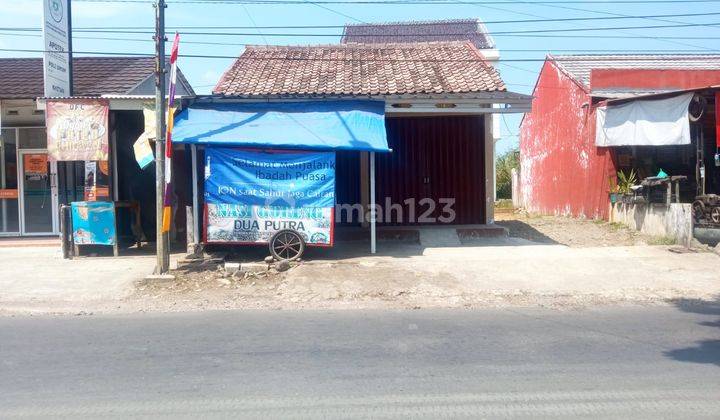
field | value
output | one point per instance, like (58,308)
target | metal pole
(161,249)
(64,245)
(70,48)
(373,209)
(3,183)
(195,198)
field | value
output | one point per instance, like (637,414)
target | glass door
(9,197)
(38,193)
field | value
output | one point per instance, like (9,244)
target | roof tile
(360,69)
(92,76)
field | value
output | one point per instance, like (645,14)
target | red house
(564,172)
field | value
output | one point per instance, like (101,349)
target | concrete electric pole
(162,251)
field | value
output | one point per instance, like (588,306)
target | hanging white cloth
(662,122)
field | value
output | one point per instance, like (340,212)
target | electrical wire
(308,34)
(633,58)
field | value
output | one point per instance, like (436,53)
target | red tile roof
(360,69)
(92,76)
(419,31)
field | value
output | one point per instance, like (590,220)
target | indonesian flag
(167,199)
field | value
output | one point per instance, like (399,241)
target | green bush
(504,165)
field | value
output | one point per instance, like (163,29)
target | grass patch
(616,226)
(662,240)
(504,204)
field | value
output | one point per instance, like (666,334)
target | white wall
(674,221)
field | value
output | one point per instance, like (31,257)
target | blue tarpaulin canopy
(317,125)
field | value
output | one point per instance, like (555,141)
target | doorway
(38,193)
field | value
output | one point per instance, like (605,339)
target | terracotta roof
(360,69)
(92,76)
(419,31)
(580,66)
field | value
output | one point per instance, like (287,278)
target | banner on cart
(251,195)
(235,223)
(77,129)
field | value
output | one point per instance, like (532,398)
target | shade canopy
(317,125)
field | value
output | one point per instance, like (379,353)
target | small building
(32,187)
(567,165)
(436,100)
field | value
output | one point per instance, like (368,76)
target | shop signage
(250,195)
(77,129)
(56,33)
(8,194)
(90,181)
(35,166)
(93,223)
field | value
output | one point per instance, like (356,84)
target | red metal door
(434,159)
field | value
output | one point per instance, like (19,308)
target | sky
(524,54)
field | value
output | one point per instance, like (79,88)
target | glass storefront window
(32,138)
(9,209)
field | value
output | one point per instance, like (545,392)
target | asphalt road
(633,362)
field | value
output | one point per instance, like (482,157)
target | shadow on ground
(705,351)
(518,229)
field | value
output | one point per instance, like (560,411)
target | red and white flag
(167,199)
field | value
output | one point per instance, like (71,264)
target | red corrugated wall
(562,172)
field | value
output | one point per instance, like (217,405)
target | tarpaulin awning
(662,122)
(316,125)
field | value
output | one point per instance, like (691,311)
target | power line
(487,22)
(379,2)
(308,34)
(504,50)
(685,57)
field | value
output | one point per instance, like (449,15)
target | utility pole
(161,238)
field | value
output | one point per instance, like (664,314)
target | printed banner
(251,195)
(77,130)
(248,224)
(93,223)
(143,152)
(35,166)
(90,181)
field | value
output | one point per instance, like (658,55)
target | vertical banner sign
(167,196)
(251,195)
(77,129)
(91,176)
(56,62)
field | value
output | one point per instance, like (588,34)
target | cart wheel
(287,245)
(715,214)
(698,211)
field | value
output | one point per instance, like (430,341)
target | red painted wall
(643,79)
(562,172)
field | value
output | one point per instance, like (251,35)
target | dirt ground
(571,232)
(547,261)
(552,262)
